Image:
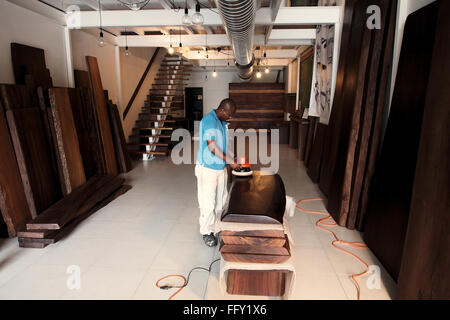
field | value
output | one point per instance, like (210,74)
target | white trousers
(212,195)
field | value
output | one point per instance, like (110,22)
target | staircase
(152,131)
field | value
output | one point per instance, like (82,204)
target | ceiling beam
(228,54)
(274,7)
(224,63)
(157,18)
(214,40)
(292,34)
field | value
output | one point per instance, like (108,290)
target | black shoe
(210,240)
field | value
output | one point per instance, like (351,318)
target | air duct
(238,17)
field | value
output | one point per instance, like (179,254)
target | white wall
(216,89)
(26,27)
(85,44)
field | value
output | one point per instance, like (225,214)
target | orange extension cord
(321,224)
(170,276)
(329,222)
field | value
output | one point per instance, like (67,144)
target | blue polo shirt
(211,128)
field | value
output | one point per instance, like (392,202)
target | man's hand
(235,166)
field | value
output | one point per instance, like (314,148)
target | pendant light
(101,39)
(186,20)
(181,45)
(214,70)
(197,18)
(127,52)
(171,50)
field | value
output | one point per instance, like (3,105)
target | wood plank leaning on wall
(102,112)
(13,203)
(391,191)
(426,259)
(70,162)
(359,97)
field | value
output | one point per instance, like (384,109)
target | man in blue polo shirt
(210,168)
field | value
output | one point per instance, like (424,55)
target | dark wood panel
(316,153)
(426,260)
(120,144)
(13,202)
(330,147)
(102,113)
(30,61)
(312,124)
(16,97)
(256,282)
(34,158)
(70,162)
(76,203)
(389,203)
(52,236)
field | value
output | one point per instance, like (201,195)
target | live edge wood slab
(76,203)
(103,118)
(42,238)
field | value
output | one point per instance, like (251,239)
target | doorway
(194,106)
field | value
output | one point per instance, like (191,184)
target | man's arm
(212,146)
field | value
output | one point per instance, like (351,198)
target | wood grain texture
(316,153)
(120,144)
(254,233)
(270,283)
(70,162)
(391,193)
(17,97)
(76,203)
(89,149)
(13,202)
(255,249)
(254,258)
(380,110)
(34,159)
(53,236)
(330,147)
(257,96)
(312,125)
(426,260)
(102,113)
(253,241)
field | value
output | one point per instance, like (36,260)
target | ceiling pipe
(238,17)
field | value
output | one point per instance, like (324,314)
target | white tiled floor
(152,231)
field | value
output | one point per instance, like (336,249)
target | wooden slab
(103,119)
(15,97)
(391,192)
(255,233)
(316,153)
(425,264)
(34,158)
(120,144)
(254,258)
(53,236)
(13,202)
(70,162)
(27,60)
(76,203)
(253,241)
(255,249)
(270,283)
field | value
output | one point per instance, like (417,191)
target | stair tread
(149,144)
(149,136)
(154,128)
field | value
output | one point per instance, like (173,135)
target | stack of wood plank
(62,149)
(255,246)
